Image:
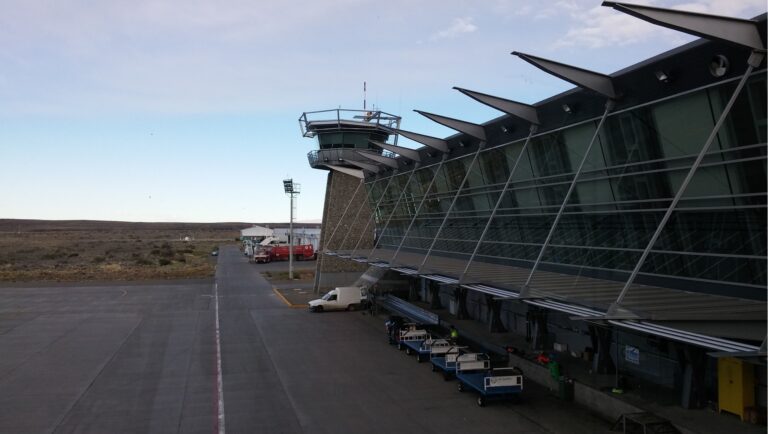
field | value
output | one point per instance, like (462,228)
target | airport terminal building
(622,222)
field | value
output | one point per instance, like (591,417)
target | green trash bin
(554,370)
(566,389)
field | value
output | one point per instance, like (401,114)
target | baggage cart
(474,372)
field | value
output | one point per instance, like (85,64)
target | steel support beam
(608,107)
(583,78)
(373,212)
(418,209)
(498,203)
(433,142)
(460,298)
(468,128)
(514,108)
(602,362)
(357,173)
(399,198)
(357,214)
(408,153)
(434,295)
(387,161)
(495,325)
(754,61)
(365,166)
(735,31)
(471,167)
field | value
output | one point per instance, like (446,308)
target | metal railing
(364,118)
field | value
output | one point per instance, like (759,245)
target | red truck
(279,252)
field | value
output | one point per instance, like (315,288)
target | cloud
(458,27)
(599,26)
(514,9)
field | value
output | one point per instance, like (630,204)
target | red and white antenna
(364,95)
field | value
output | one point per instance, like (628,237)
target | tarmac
(144,358)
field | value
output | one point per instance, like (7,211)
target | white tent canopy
(256,231)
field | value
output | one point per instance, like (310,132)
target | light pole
(291,189)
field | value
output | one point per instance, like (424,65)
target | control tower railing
(318,157)
(310,122)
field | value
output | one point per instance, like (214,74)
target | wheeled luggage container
(411,338)
(473,371)
(444,360)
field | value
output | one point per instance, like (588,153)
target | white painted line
(219,382)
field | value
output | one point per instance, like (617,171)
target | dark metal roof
(584,296)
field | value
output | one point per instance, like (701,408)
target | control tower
(346,147)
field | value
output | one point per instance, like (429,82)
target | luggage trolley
(443,359)
(474,371)
(431,344)
(411,338)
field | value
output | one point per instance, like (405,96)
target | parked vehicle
(341,298)
(273,249)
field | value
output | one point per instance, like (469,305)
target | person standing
(454,334)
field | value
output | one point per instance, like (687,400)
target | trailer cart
(431,344)
(411,338)
(414,342)
(474,372)
(444,360)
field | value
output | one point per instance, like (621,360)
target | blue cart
(413,346)
(444,360)
(411,338)
(425,349)
(474,372)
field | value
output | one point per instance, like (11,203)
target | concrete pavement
(142,358)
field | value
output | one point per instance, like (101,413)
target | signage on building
(632,355)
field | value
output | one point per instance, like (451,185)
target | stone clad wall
(339,191)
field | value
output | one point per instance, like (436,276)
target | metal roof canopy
(365,166)
(440,278)
(390,162)
(433,142)
(583,78)
(581,312)
(468,128)
(406,270)
(687,337)
(408,153)
(357,173)
(523,111)
(490,290)
(731,30)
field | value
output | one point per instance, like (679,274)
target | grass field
(32,250)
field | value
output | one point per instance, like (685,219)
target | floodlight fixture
(662,76)
(719,66)
(291,189)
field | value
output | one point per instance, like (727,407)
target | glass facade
(640,156)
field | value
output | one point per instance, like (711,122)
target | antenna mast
(364,94)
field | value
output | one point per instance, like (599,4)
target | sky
(187,110)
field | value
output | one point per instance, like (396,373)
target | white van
(341,298)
